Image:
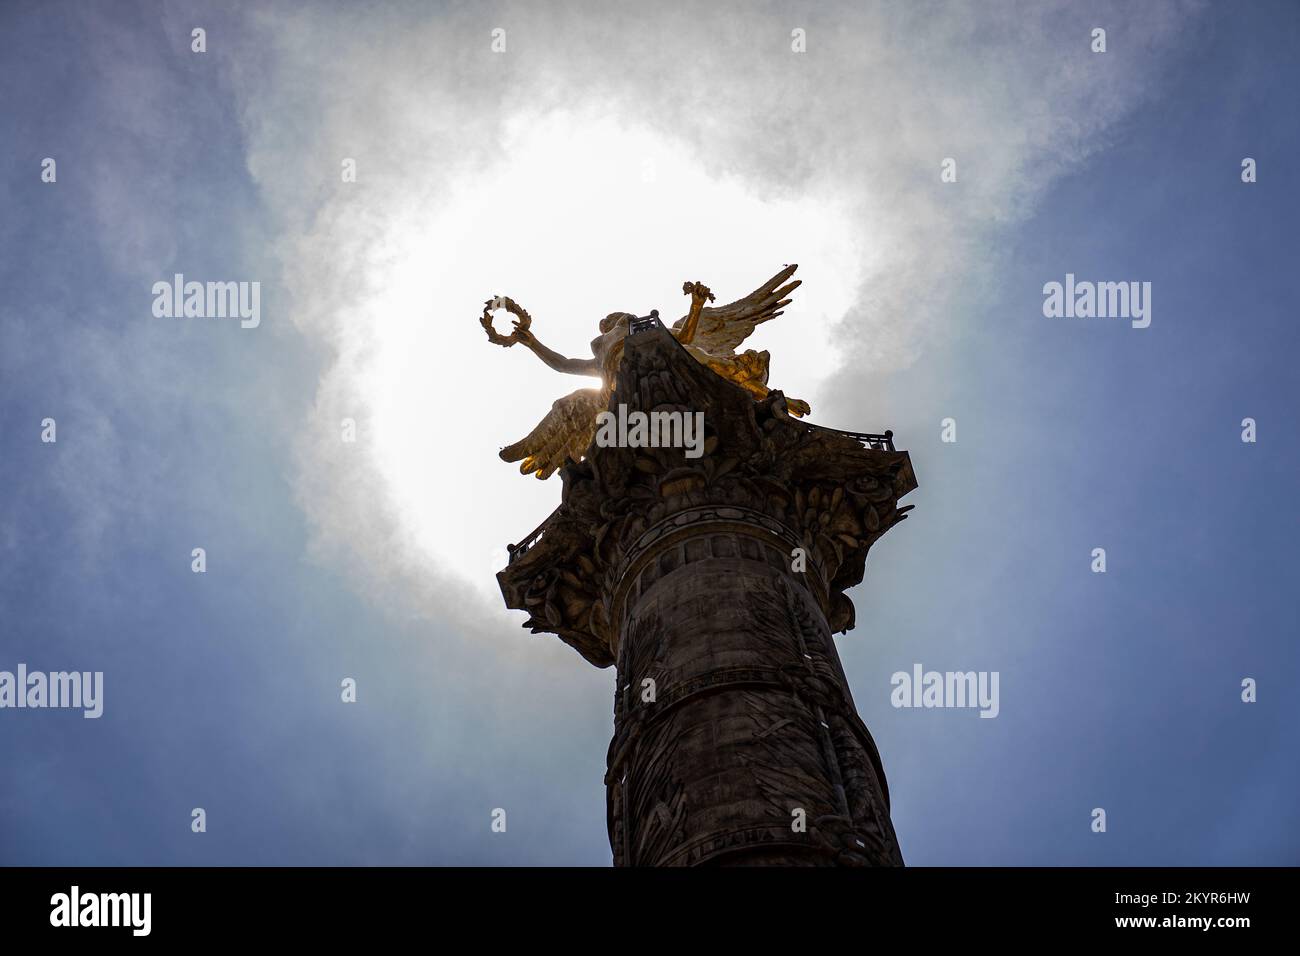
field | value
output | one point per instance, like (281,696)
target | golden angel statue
(710,335)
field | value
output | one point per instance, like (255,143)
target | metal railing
(515,550)
(645,323)
(883,442)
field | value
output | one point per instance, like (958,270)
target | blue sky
(222,689)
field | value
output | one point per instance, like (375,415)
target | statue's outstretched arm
(523,334)
(554,359)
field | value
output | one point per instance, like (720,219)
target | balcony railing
(645,323)
(516,550)
(883,442)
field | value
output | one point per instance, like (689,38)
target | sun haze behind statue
(711,335)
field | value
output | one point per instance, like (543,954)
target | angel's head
(614,319)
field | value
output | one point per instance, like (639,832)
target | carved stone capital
(762,472)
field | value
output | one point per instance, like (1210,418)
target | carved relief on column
(750,718)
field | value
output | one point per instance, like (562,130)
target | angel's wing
(721,330)
(565,432)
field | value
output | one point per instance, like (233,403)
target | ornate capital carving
(762,472)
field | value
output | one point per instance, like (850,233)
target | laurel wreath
(511,306)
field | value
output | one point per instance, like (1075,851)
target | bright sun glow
(578,219)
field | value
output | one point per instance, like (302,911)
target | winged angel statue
(710,335)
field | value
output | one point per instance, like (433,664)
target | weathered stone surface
(679,572)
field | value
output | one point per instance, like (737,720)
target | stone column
(714,585)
